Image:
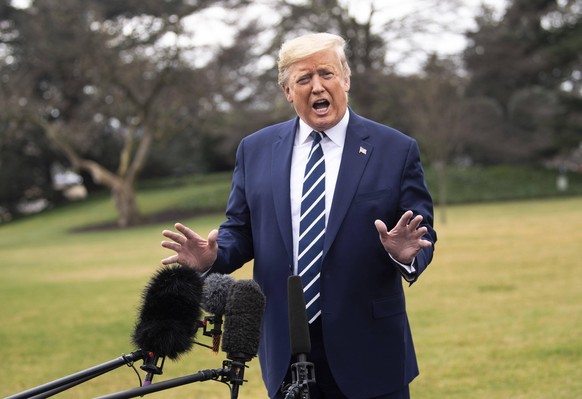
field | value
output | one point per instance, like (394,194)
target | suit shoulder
(271,132)
(381,131)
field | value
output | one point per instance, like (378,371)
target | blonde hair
(297,49)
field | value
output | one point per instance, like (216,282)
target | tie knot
(317,136)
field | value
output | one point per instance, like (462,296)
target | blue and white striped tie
(312,227)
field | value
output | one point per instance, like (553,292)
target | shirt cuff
(407,271)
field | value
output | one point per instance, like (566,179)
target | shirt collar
(336,134)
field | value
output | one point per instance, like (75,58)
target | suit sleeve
(415,196)
(235,241)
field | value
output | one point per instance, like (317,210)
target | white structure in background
(68,182)
(566,163)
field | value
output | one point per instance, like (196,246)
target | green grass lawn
(497,315)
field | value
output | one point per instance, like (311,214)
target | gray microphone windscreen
(215,292)
(243,316)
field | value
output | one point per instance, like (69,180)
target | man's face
(318,89)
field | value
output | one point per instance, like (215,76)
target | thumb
(381,228)
(212,237)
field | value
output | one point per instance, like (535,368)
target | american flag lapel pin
(362,151)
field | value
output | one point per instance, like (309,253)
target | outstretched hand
(405,240)
(191,249)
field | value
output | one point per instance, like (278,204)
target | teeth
(321,106)
(321,110)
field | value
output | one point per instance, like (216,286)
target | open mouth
(321,106)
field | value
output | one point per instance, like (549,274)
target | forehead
(327,59)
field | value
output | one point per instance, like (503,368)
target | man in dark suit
(376,229)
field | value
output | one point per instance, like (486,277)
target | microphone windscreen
(243,316)
(215,292)
(169,313)
(298,326)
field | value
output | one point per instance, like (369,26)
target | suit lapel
(357,151)
(280,173)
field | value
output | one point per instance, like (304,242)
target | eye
(303,79)
(326,74)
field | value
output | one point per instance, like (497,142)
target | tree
(435,106)
(529,64)
(96,70)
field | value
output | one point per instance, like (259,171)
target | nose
(316,85)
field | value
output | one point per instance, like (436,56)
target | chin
(323,124)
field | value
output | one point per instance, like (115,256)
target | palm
(404,241)
(196,252)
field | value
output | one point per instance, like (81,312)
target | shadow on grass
(165,216)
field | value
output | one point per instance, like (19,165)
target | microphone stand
(153,365)
(231,371)
(237,372)
(62,384)
(303,374)
(215,332)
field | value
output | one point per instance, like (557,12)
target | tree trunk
(441,173)
(126,204)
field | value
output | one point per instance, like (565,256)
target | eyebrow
(308,72)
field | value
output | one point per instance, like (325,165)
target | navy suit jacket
(365,327)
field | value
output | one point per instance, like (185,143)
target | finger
(425,243)
(170,260)
(404,219)
(415,222)
(179,238)
(420,232)
(171,245)
(188,233)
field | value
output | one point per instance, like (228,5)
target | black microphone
(302,371)
(298,325)
(168,318)
(214,295)
(244,310)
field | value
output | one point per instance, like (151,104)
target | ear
(287,92)
(347,84)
